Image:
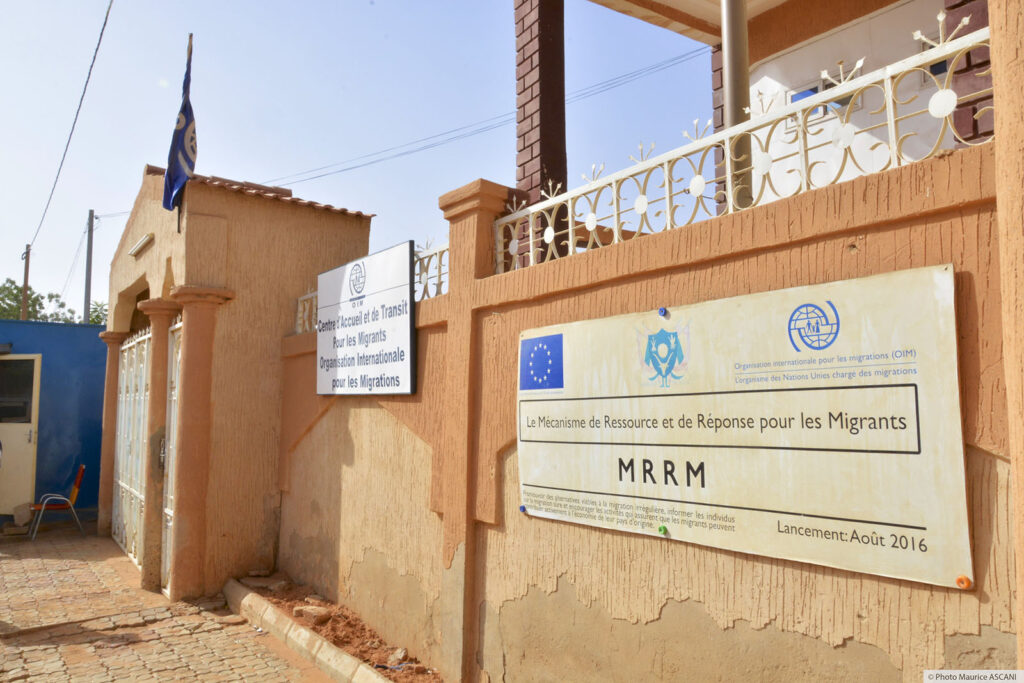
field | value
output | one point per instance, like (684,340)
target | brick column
(192,469)
(540,95)
(966,78)
(718,116)
(540,109)
(1008,77)
(109,442)
(160,312)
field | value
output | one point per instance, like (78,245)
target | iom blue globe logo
(811,326)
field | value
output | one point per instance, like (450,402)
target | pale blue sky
(279,88)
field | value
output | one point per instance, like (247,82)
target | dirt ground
(347,631)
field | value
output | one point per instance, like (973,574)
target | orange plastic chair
(55,501)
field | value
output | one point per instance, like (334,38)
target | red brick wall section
(718,115)
(540,109)
(971,74)
(540,95)
(717,93)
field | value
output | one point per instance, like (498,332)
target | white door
(170,448)
(19,429)
(131,444)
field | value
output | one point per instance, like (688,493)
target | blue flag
(540,363)
(181,159)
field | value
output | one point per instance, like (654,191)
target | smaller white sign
(365,331)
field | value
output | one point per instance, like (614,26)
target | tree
(47,307)
(98,313)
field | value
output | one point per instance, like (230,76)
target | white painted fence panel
(131,444)
(170,445)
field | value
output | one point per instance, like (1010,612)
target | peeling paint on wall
(632,578)
(357,524)
(539,584)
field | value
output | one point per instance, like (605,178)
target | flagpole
(188,60)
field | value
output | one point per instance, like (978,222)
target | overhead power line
(472,129)
(466,131)
(73,123)
(502,120)
(74,263)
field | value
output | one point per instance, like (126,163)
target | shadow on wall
(310,553)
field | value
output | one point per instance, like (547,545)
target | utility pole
(88,269)
(24,284)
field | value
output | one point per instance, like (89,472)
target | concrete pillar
(470,211)
(1006,19)
(188,544)
(736,86)
(735,61)
(160,312)
(109,442)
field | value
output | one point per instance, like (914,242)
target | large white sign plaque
(819,424)
(366,335)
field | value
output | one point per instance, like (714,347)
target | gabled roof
(256,190)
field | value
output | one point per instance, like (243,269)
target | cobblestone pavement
(71,610)
(62,577)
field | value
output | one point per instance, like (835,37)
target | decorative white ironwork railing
(430,280)
(170,450)
(430,272)
(305,313)
(857,125)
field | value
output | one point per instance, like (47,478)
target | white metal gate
(131,443)
(170,444)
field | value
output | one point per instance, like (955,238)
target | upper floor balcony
(845,125)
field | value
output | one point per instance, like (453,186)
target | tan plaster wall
(560,637)
(568,589)
(853,230)
(268,253)
(795,21)
(357,524)
(160,266)
(773,30)
(619,580)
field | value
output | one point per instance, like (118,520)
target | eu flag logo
(540,363)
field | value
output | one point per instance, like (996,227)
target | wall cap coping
(479,195)
(189,294)
(157,307)
(298,344)
(110,338)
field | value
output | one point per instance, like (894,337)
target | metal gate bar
(131,444)
(170,445)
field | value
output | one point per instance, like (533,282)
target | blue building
(51,405)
